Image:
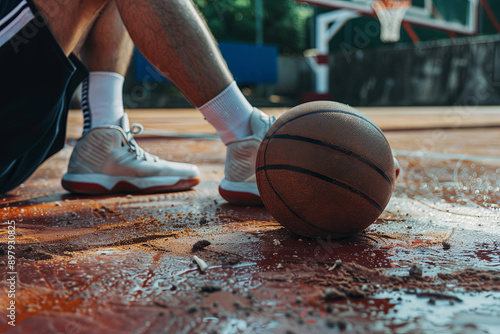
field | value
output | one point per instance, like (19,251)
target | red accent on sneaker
(126,187)
(397,168)
(240,198)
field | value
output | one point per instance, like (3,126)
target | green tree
(285,22)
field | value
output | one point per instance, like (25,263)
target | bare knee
(68,19)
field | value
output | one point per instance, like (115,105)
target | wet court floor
(123,264)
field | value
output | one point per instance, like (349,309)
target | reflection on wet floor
(121,264)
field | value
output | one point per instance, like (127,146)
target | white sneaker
(397,167)
(239,185)
(108,160)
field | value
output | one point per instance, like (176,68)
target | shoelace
(137,129)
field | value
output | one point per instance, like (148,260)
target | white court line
(446,156)
(176,134)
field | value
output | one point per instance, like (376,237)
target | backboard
(454,16)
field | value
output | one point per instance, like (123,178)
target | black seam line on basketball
(283,201)
(336,148)
(334,111)
(267,176)
(292,210)
(324,178)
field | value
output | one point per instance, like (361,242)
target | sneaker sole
(240,198)
(104,184)
(235,193)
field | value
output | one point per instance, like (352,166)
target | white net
(390,14)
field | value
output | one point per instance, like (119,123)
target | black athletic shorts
(37,82)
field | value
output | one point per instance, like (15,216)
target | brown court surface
(123,264)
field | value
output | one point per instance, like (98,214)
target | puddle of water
(479,310)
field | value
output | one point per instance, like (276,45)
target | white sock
(102,100)
(229,113)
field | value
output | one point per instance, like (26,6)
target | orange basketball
(325,170)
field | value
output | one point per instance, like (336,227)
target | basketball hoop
(390,14)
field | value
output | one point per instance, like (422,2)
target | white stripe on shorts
(21,19)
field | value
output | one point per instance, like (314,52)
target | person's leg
(116,164)
(68,19)
(106,51)
(172,35)
(174,38)
(108,46)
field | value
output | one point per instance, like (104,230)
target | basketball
(325,170)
